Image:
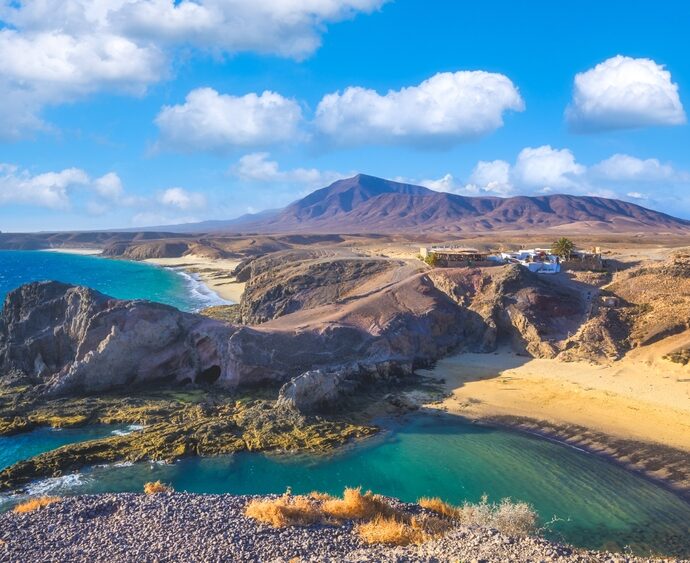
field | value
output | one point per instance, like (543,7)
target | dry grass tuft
(380,522)
(35,504)
(357,506)
(388,530)
(318,495)
(153,488)
(286,510)
(438,506)
(397,530)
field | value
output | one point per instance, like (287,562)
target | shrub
(508,517)
(157,487)
(431,260)
(286,510)
(514,518)
(35,504)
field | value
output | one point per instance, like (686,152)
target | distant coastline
(214,274)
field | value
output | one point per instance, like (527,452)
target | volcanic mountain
(366,204)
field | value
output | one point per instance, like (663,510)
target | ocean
(118,278)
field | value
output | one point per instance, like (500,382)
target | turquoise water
(596,504)
(118,278)
(22,446)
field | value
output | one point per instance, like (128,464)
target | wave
(128,430)
(200,293)
(57,484)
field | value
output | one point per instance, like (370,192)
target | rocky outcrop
(654,299)
(68,338)
(531,312)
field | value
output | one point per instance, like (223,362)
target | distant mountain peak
(368,204)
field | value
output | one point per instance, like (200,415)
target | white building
(539,260)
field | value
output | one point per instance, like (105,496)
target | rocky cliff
(328,326)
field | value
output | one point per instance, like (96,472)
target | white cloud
(47,68)
(289,28)
(258,167)
(446,108)
(492,177)
(50,189)
(109,186)
(445,183)
(543,170)
(623,92)
(53,51)
(217,122)
(182,199)
(623,167)
(547,168)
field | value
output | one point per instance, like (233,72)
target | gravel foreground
(188,528)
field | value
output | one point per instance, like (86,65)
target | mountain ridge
(369,204)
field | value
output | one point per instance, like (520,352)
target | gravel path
(189,528)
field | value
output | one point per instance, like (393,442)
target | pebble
(184,527)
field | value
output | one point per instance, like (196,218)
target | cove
(122,279)
(594,503)
(23,446)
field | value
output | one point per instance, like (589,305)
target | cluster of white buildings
(539,260)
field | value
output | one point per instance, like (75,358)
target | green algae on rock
(177,423)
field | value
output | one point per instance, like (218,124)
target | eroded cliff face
(70,339)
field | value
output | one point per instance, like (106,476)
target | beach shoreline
(75,250)
(214,273)
(634,411)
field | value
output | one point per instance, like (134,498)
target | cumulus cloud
(74,189)
(446,183)
(217,122)
(47,68)
(109,186)
(50,189)
(258,167)
(492,177)
(622,93)
(623,167)
(52,51)
(446,108)
(547,168)
(544,169)
(182,199)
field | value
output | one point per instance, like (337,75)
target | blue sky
(122,113)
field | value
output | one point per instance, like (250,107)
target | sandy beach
(84,251)
(215,273)
(635,398)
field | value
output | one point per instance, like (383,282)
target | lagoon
(581,498)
